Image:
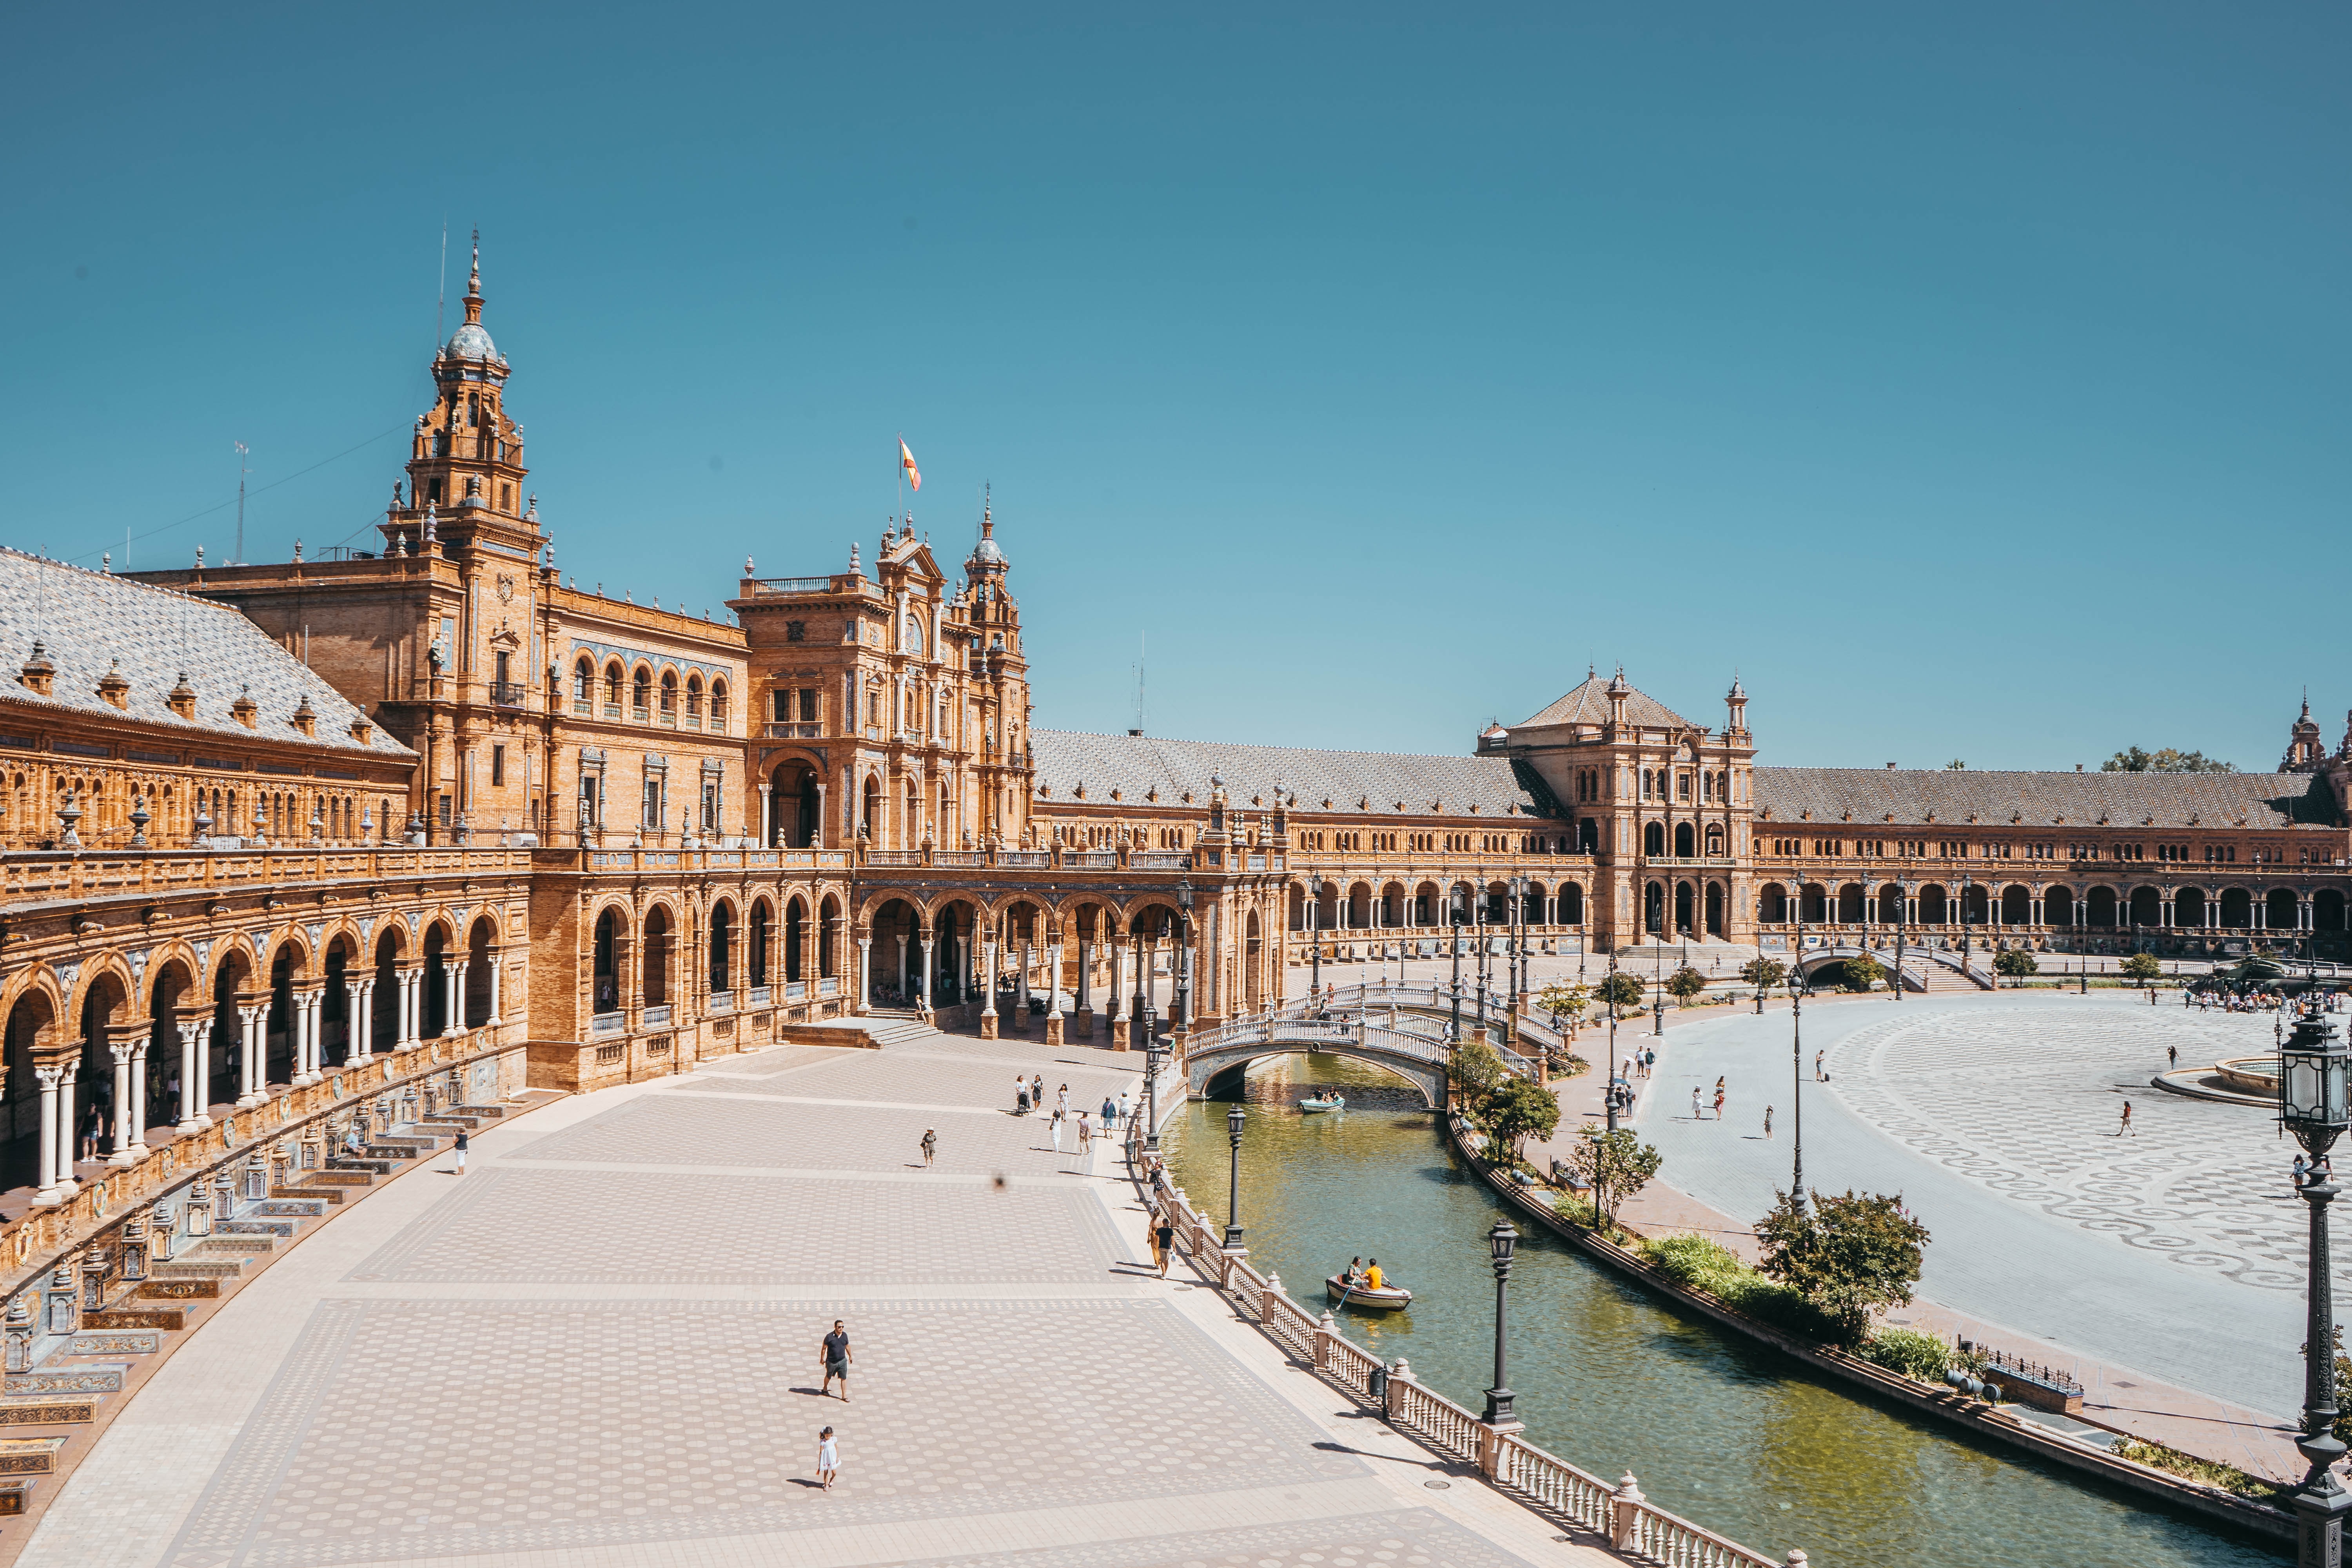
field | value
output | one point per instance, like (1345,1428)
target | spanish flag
(906,461)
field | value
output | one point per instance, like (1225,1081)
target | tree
(2142,967)
(1476,1070)
(1563,1000)
(2138,761)
(2015,963)
(1517,1110)
(1763,973)
(1685,984)
(1620,991)
(1955,766)
(1848,1255)
(1862,972)
(1618,1164)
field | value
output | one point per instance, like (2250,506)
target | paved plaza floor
(2175,1249)
(600,1347)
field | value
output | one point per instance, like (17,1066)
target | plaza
(2176,1250)
(601,1345)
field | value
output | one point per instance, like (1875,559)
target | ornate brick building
(438,798)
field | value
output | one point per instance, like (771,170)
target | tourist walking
(1163,1242)
(1719,1103)
(829,1459)
(2172,1057)
(1037,1090)
(930,1144)
(1819,1075)
(1109,1113)
(1057,1132)
(1086,1134)
(1696,1111)
(1122,1105)
(837,1358)
(2126,1126)
(461,1150)
(1768,1121)
(1062,1100)
(1020,1095)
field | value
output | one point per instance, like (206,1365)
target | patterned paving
(1411,1538)
(525,1225)
(702,1127)
(767,1063)
(921,1076)
(436,1428)
(2026,1102)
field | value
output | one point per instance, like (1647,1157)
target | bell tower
(999,672)
(465,468)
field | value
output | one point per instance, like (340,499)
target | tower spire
(473,284)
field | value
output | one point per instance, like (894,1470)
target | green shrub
(2172,1461)
(1697,1264)
(1923,1357)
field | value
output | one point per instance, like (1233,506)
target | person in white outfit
(828,1458)
(1057,1132)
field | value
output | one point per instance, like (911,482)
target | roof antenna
(1142,642)
(441,297)
(241,471)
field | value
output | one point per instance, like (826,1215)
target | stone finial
(140,817)
(69,823)
(530,512)
(747,566)
(244,708)
(432,523)
(306,718)
(298,552)
(361,730)
(854,569)
(39,674)
(113,686)
(182,698)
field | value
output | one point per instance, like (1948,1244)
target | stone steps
(206,1269)
(168,1318)
(323,1195)
(200,1288)
(235,1247)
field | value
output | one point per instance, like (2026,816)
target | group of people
(1722,1093)
(1029,1095)
(1361,1276)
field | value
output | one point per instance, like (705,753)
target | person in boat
(1373,1276)
(1354,1273)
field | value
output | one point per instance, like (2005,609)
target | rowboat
(1310,1107)
(1387,1298)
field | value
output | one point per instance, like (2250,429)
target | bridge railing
(1620,1514)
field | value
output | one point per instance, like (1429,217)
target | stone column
(924,981)
(498,968)
(1055,1025)
(62,1175)
(120,1154)
(305,1031)
(195,1035)
(356,1019)
(45,1171)
(864,971)
(1084,1009)
(138,1129)
(1020,992)
(455,976)
(903,977)
(767,819)
(250,1021)
(1118,1028)
(2303,913)
(988,987)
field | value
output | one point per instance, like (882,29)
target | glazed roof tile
(1135,765)
(90,621)
(2082,800)
(1589,704)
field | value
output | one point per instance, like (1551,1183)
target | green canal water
(1728,1434)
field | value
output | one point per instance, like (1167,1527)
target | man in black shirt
(837,1361)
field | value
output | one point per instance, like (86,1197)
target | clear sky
(1973,384)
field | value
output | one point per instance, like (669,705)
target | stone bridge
(1419,1054)
(1922,967)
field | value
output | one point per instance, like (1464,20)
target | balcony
(804,730)
(506,693)
(607,1024)
(657,1016)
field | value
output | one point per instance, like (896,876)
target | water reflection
(1719,1429)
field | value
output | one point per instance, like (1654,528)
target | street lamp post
(1796,1060)
(1314,943)
(1500,1242)
(1182,1012)
(1154,1053)
(2314,1072)
(1453,907)
(1234,1122)
(1478,931)
(1902,923)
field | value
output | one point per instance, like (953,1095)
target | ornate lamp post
(2315,1082)
(1453,907)
(1500,1241)
(1183,1015)
(1314,945)
(1796,1058)
(1902,924)
(1154,1053)
(1478,931)
(1234,1122)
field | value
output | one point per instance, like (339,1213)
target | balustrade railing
(603,1024)
(1620,1514)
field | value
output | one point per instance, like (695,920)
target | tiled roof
(1134,764)
(90,621)
(2123,800)
(1589,704)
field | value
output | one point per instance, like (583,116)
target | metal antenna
(441,297)
(1141,645)
(241,471)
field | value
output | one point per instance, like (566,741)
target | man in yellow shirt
(1372,1275)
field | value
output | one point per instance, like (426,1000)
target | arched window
(694,697)
(721,928)
(755,952)
(1653,838)
(1715,838)
(583,684)
(915,636)
(669,694)
(719,703)
(612,678)
(641,694)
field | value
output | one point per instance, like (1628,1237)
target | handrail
(1621,1514)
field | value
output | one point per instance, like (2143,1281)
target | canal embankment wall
(1948,1407)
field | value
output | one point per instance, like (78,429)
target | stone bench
(46,1410)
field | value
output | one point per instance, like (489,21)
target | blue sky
(1972,385)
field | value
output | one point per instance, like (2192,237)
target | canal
(1611,1378)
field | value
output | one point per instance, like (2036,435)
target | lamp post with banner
(2315,1084)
